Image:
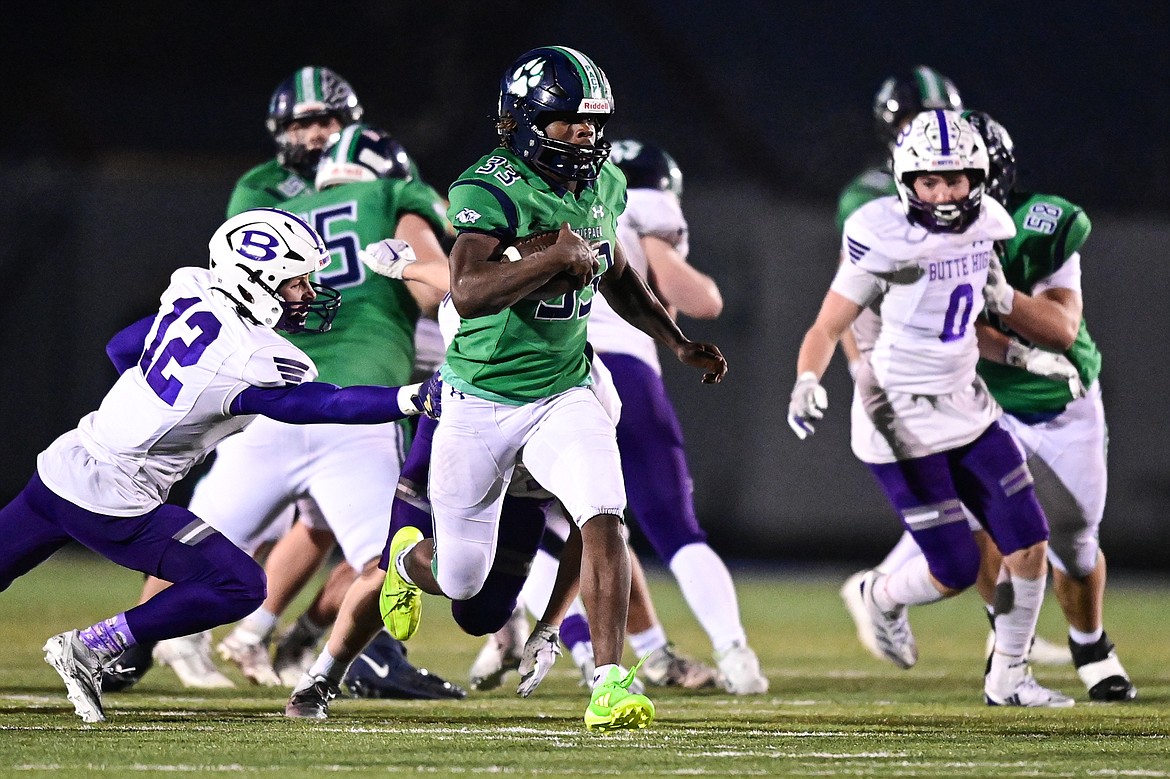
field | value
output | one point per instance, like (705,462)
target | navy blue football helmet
(311,92)
(362,153)
(1001,154)
(647,166)
(900,98)
(549,83)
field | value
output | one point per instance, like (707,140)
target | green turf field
(832,710)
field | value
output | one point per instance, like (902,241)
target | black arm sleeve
(321,403)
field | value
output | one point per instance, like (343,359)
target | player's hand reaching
(809,401)
(388,258)
(541,650)
(997,293)
(705,357)
(429,397)
(1052,366)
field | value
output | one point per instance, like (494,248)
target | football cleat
(891,629)
(1010,683)
(613,707)
(739,671)
(500,654)
(249,653)
(190,658)
(128,668)
(400,602)
(294,655)
(1101,671)
(665,667)
(1043,651)
(855,605)
(382,671)
(80,668)
(311,702)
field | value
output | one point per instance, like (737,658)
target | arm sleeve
(125,347)
(318,402)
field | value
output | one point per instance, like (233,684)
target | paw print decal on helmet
(526,76)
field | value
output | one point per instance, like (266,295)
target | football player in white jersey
(922,420)
(196,372)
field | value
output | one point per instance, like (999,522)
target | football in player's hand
(556,286)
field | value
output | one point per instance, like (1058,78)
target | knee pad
(951,553)
(489,609)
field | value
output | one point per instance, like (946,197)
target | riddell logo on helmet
(594,105)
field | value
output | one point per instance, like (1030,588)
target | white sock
(600,673)
(707,587)
(906,549)
(325,665)
(648,640)
(1086,638)
(539,584)
(400,564)
(582,653)
(257,626)
(1015,629)
(908,585)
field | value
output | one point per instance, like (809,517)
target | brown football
(556,286)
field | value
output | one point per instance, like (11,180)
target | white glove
(1050,365)
(541,650)
(809,402)
(388,258)
(997,293)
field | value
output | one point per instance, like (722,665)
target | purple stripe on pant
(659,489)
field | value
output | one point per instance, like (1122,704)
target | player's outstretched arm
(317,402)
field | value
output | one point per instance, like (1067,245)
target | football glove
(809,401)
(997,293)
(541,650)
(429,399)
(388,258)
(1052,366)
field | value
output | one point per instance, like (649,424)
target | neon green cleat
(614,707)
(400,602)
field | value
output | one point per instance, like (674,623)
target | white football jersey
(927,289)
(165,414)
(648,212)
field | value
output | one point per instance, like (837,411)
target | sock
(909,585)
(1086,639)
(707,587)
(648,640)
(257,627)
(906,549)
(582,653)
(575,631)
(108,637)
(1014,630)
(538,586)
(325,665)
(400,564)
(600,673)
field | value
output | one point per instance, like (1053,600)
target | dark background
(125,125)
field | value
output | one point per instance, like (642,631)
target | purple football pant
(214,582)
(659,489)
(987,475)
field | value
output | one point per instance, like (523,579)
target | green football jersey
(1048,230)
(372,338)
(266,186)
(533,349)
(870,185)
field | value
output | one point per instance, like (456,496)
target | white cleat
(1012,684)
(855,605)
(739,671)
(190,658)
(500,654)
(81,669)
(891,629)
(1043,652)
(249,653)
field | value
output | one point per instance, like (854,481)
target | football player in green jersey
(1035,299)
(517,369)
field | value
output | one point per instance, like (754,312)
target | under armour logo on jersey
(598,211)
(856,249)
(467,216)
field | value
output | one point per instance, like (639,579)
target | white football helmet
(940,142)
(255,252)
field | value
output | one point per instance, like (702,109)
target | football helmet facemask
(309,93)
(647,167)
(549,83)
(1001,154)
(255,252)
(361,153)
(940,142)
(901,97)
